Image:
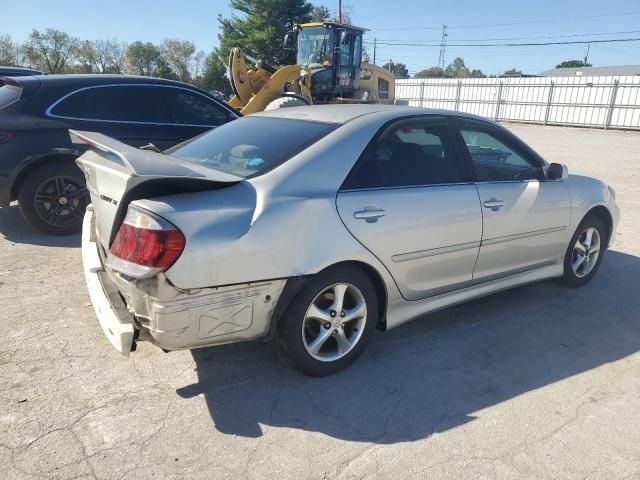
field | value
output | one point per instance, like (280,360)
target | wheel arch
(601,212)
(37,162)
(296,284)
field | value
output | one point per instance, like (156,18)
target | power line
(519,38)
(529,44)
(527,22)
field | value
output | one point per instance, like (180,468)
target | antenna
(340,12)
(443,46)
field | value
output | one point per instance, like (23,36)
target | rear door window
(115,103)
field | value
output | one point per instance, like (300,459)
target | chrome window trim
(48,111)
(429,185)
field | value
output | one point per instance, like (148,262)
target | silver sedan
(313,226)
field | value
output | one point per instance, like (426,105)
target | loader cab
(333,54)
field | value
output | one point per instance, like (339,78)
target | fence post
(497,115)
(612,103)
(549,100)
(422,94)
(457,104)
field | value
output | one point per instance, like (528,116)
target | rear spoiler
(146,163)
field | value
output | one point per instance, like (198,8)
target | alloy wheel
(61,200)
(586,252)
(334,322)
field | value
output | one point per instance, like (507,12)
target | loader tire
(285,102)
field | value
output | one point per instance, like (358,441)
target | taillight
(145,244)
(5,137)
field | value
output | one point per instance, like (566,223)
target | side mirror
(289,41)
(557,171)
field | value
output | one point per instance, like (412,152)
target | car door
(525,216)
(409,200)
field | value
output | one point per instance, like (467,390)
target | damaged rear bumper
(153,309)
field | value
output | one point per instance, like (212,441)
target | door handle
(369,214)
(494,204)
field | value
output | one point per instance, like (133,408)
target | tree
(179,55)
(398,69)
(87,57)
(457,69)
(117,54)
(432,72)
(477,73)
(163,70)
(320,13)
(142,58)
(51,51)
(7,51)
(573,64)
(512,73)
(259,26)
(213,74)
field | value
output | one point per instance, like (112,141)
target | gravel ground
(537,382)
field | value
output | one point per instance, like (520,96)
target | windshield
(251,146)
(315,47)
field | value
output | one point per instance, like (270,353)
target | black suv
(37,155)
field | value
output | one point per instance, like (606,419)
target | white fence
(605,102)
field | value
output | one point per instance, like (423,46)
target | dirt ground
(537,382)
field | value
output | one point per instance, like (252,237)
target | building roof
(593,71)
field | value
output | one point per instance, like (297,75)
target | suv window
(494,161)
(184,107)
(119,103)
(414,153)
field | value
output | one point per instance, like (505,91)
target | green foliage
(7,51)
(512,73)
(213,75)
(259,26)
(457,69)
(320,13)
(573,64)
(432,72)
(163,70)
(178,56)
(400,70)
(51,50)
(142,58)
(477,73)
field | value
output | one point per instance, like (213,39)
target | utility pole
(443,46)
(586,55)
(340,12)
(375,41)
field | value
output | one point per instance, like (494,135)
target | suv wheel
(53,198)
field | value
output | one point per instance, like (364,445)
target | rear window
(9,94)
(251,146)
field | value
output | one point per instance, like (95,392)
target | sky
(399,21)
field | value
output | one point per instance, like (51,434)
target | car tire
(53,198)
(315,335)
(582,260)
(285,102)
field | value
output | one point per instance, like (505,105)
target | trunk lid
(116,174)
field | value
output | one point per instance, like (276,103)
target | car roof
(343,113)
(82,79)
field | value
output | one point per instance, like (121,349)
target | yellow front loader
(329,69)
